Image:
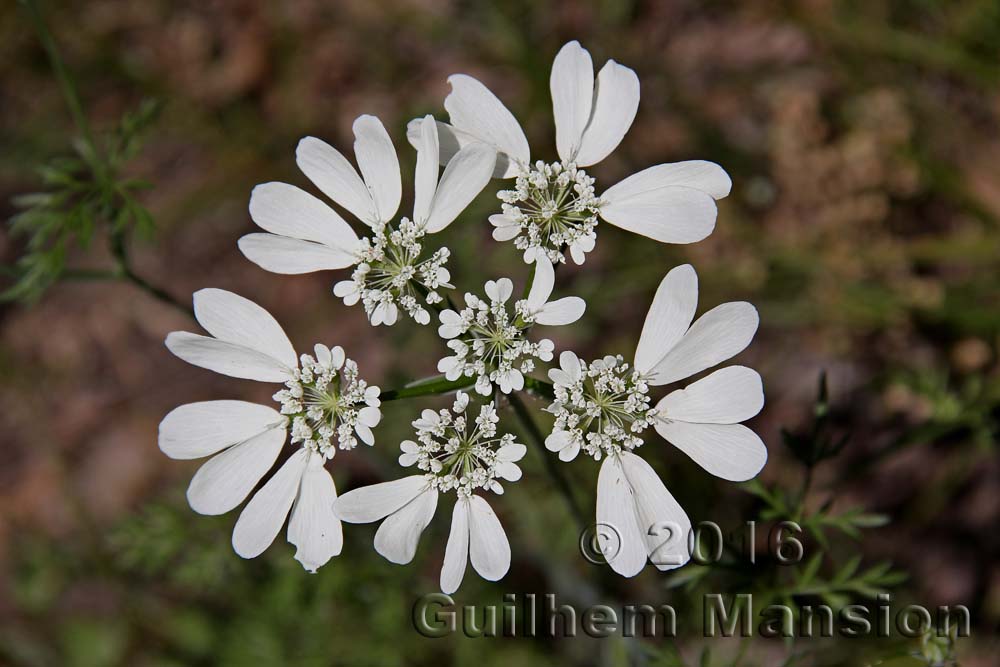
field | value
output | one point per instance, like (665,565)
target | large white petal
(716,336)
(572,87)
(489,549)
(379,165)
(701,175)
(456,553)
(374,502)
(234,319)
(332,173)
(227,358)
(669,316)
(286,210)
(280,254)
(669,214)
(616,99)
(426,176)
(464,178)
(313,528)
(542,282)
(727,396)
(561,311)
(261,520)
(199,429)
(616,510)
(664,523)
(730,451)
(224,481)
(472,108)
(451,140)
(396,539)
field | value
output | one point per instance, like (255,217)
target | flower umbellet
(393,269)
(603,408)
(325,405)
(456,452)
(554,206)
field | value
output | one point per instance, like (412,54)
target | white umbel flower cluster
(461,456)
(392,274)
(551,208)
(325,398)
(393,269)
(488,339)
(601,407)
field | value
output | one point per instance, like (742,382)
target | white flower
(554,206)
(702,420)
(455,456)
(323,399)
(599,407)
(392,272)
(489,341)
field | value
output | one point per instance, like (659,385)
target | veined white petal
(371,503)
(234,319)
(515,451)
(451,140)
(572,86)
(730,451)
(227,358)
(663,522)
(542,283)
(313,527)
(669,316)
(262,518)
(426,176)
(472,108)
(700,175)
(199,429)
(716,336)
(379,165)
(456,553)
(561,311)
(570,363)
(616,99)
(727,396)
(224,481)
(668,214)
(396,539)
(498,290)
(280,254)
(616,509)
(336,177)
(489,549)
(286,210)
(464,177)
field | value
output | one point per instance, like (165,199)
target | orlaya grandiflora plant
(454,455)
(325,404)
(554,206)
(392,271)
(601,408)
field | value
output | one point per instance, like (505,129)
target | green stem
(125,272)
(62,75)
(431,386)
(538,438)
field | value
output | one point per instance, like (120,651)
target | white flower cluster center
(600,407)
(326,398)
(391,275)
(461,456)
(551,207)
(489,341)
